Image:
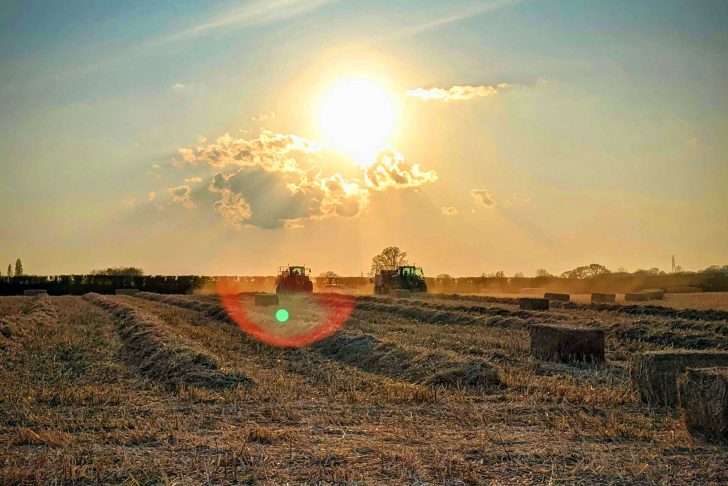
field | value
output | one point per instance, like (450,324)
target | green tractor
(293,280)
(405,277)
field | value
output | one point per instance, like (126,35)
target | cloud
(392,171)
(262,117)
(183,87)
(151,196)
(483,197)
(260,12)
(456,93)
(449,210)
(272,181)
(233,208)
(274,151)
(181,195)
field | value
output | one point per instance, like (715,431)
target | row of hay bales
(696,381)
(602,298)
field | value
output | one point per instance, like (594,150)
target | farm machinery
(293,279)
(405,278)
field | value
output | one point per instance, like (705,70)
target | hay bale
(655,373)
(654,294)
(560,297)
(532,291)
(704,399)
(126,291)
(400,293)
(683,290)
(533,303)
(262,300)
(599,298)
(567,343)
(33,292)
(636,297)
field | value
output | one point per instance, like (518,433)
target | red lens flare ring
(335,311)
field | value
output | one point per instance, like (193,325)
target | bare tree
(542,272)
(18,268)
(390,258)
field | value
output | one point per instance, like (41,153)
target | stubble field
(157,389)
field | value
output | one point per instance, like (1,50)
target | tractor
(406,277)
(293,279)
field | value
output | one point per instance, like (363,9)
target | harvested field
(427,390)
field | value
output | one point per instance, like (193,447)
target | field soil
(154,389)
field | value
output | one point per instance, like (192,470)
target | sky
(224,138)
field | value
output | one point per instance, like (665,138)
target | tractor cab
(410,271)
(406,277)
(293,279)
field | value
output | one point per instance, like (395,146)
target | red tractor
(293,279)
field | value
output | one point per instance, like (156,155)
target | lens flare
(282,315)
(309,318)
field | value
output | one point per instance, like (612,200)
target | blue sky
(608,145)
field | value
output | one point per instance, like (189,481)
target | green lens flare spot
(282,315)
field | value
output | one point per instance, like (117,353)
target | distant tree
(390,258)
(444,276)
(542,272)
(679,269)
(18,268)
(593,270)
(10,270)
(498,274)
(119,271)
(622,270)
(715,269)
(518,275)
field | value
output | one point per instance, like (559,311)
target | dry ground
(167,390)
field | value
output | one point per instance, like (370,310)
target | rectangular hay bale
(126,291)
(599,298)
(567,343)
(704,400)
(533,303)
(636,297)
(400,293)
(32,292)
(262,300)
(655,373)
(654,294)
(559,297)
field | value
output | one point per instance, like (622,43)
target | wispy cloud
(456,93)
(260,12)
(256,13)
(452,17)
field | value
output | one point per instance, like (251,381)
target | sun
(357,116)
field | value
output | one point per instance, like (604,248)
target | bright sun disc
(357,116)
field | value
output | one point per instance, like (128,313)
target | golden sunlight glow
(357,116)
